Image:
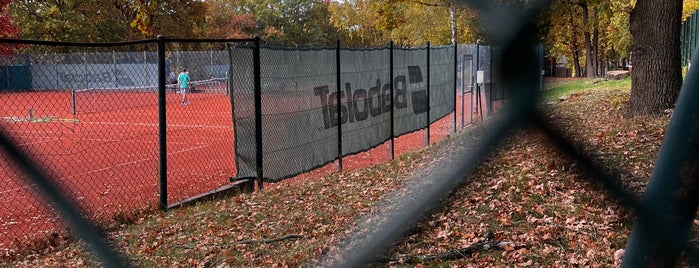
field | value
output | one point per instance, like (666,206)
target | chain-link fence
(689,35)
(380,94)
(102,132)
(95,119)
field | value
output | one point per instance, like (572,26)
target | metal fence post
(390,63)
(478,87)
(685,46)
(491,85)
(338,104)
(456,88)
(693,35)
(72,101)
(463,85)
(258,111)
(162,126)
(428,95)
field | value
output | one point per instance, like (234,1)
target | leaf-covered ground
(532,195)
(527,194)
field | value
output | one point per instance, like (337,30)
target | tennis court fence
(109,124)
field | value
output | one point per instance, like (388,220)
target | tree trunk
(576,64)
(577,69)
(595,44)
(589,54)
(656,78)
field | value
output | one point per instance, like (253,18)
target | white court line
(134,162)
(107,168)
(53,119)
(154,125)
(18,188)
(73,139)
(39,131)
(40,141)
(83,138)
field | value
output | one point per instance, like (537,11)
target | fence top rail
(297,48)
(77,44)
(198,40)
(122,43)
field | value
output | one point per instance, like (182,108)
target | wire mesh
(103,160)
(296,134)
(91,120)
(200,139)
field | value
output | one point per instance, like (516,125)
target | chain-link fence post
(338,84)
(429,105)
(258,111)
(393,133)
(162,125)
(478,83)
(456,87)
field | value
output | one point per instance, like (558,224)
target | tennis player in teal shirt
(183,80)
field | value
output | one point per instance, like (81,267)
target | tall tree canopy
(291,22)
(107,20)
(356,22)
(7,29)
(178,18)
(593,34)
(74,20)
(407,22)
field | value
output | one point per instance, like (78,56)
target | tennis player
(183,80)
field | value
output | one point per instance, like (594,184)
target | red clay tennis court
(106,157)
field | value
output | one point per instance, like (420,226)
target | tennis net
(96,100)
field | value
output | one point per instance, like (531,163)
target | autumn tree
(440,22)
(73,20)
(689,7)
(294,22)
(590,28)
(563,33)
(407,22)
(224,19)
(570,33)
(181,18)
(607,36)
(657,77)
(7,29)
(356,23)
(305,22)
(591,31)
(107,20)
(615,34)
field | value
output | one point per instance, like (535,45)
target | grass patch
(555,89)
